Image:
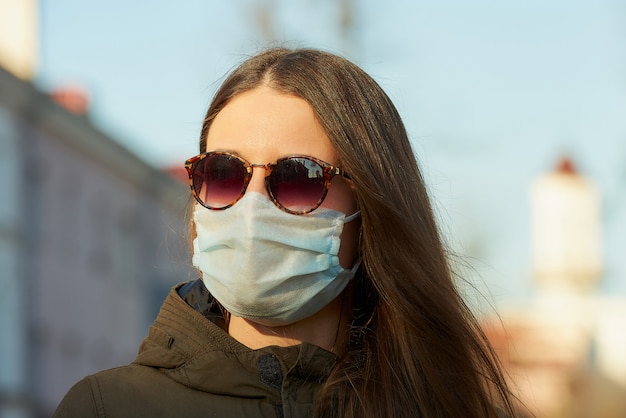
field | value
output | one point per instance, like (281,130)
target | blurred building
(91,239)
(565,350)
(18,36)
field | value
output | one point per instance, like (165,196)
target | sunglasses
(296,184)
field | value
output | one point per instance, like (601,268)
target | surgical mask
(267,265)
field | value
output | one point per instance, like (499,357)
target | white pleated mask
(267,265)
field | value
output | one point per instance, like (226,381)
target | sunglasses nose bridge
(259,165)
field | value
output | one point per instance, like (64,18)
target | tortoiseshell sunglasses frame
(328,170)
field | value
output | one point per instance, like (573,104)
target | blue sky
(492,93)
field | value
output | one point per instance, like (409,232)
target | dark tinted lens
(219,180)
(297,183)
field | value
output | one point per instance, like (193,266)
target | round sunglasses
(297,184)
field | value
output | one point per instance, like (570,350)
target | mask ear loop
(352,217)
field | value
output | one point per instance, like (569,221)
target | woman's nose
(257,182)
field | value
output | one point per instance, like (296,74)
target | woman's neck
(327,329)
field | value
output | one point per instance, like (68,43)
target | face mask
(269,266)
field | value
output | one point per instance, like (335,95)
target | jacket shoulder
(78,402)
(139,391)
(124,391)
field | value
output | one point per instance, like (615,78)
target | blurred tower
(564,349)
(566,231)
(566,248)
(18,37)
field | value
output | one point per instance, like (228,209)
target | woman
(329,293)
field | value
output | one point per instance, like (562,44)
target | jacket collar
(188,342)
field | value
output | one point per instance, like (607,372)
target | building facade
(91,239)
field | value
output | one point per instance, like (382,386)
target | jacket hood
(188,343)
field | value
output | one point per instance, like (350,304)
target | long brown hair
(415,349)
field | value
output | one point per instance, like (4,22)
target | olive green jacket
(188,366)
